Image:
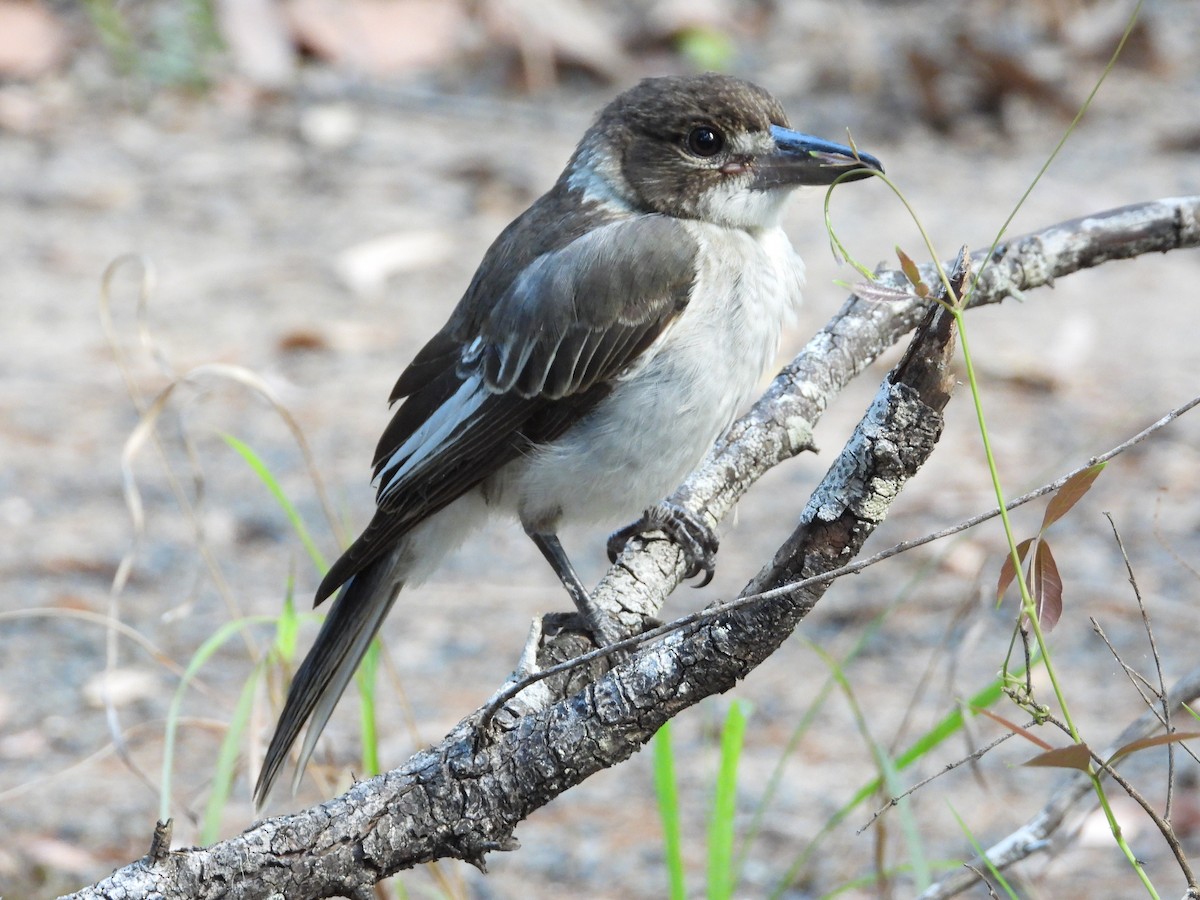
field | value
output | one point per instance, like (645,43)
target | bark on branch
(463,797)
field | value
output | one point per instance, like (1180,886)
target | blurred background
(314,183)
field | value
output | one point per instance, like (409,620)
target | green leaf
(1070,494)
(264,474)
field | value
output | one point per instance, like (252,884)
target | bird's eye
(704,140)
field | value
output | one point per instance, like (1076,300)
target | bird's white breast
(669,407)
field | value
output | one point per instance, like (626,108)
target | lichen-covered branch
(463,797)
(781,424)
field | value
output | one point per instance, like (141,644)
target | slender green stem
(1030,608)
(955,305)
(1026,599)
(1084,107)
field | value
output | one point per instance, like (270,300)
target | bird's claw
(692,535)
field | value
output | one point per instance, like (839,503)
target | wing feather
(519,368)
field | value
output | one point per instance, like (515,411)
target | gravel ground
(259,219)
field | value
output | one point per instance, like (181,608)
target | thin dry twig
(1162,686)
(528,679)
(1164,827)
(971,757)
(1035,835)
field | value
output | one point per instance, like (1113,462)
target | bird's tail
(359,610)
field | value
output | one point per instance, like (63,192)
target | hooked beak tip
(801,159)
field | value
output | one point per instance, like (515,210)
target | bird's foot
(693,536)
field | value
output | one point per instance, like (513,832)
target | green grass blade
(775,779)
(889,772)
(806,722)
(667,790)
(949,725)
(287,625)
(721,825)
(868,885)
(922,873)
(199,658)
(366,695)
(982,854)
(227,759)
(268,479)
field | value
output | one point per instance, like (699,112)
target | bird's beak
(804,159)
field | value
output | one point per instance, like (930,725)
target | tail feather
(353,620)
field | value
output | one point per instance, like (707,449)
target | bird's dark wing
(520,367)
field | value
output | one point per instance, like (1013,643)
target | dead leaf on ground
(33,40)
(256,33)
(546,33)
(301,340)
(378,37)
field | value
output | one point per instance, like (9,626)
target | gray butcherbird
(610,334)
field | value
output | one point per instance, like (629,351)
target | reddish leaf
(909,268)
(378,37)
(1013,727)
(1156,741)
(1072,756)
(1070,494)
(1046,586)
(1007,572)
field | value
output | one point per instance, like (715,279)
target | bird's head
(708,147)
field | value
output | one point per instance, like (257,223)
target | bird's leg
(693,536)
(552,549)
(603,628)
